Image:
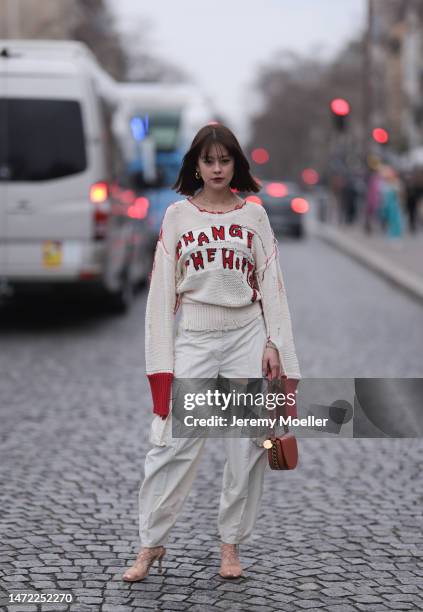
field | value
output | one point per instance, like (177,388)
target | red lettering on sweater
(197,260)
(188,238)
(235,231)
(202,237)
(250,279)
(225,257)
(218,233)
(228,260)
(178,250)
(210,254)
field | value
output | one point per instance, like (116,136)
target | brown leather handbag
(283,454)
(282,451)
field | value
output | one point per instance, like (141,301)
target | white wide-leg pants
(171,464)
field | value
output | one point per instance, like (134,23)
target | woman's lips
(217,180)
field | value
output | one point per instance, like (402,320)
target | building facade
(396,89)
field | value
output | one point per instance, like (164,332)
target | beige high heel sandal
(144,561)
(230,566)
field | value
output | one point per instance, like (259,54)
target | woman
(217,259)
(392,195)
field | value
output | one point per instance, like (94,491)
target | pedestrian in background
(374,198)
(392,199)
(349,200)
(218,259)
(414,192)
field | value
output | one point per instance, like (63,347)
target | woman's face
(217,165)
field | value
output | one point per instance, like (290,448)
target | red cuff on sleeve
(161,386)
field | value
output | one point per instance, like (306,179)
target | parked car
(67,217)
(285,205)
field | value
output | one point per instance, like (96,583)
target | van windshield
(164,128)
(43,139)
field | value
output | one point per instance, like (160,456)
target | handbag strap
(273,432)
(277,412)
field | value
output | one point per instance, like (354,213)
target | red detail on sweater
(188,237)
(228,259)
(250,274)
(218,232)
(161,239)
(197,260)
(211,254)
(161,386)
(218,212)
(214,234)
(202,237)
(235,231)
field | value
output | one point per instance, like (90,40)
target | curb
(396,275)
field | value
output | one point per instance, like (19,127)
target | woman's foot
(230,566)
(144,561)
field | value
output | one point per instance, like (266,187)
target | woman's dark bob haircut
(214,134)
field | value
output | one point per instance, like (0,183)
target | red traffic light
(340,107)
(260,155)
(310,176)
(380,135)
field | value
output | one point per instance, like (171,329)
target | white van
(67,218)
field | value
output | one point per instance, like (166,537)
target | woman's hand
(272,370)
(271,366)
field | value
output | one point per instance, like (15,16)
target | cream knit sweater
(223,269)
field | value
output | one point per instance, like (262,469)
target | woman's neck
(227,198)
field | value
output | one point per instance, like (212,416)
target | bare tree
(93,25)
(142,64)
(295,124)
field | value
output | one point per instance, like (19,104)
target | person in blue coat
(390,210)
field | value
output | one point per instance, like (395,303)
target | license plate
(52,254)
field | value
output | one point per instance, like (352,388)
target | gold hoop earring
(197,175)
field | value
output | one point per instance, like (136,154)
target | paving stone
(311,604)
(344,607)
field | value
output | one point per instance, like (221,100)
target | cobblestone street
(342,532)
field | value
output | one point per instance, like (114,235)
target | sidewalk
(400,262)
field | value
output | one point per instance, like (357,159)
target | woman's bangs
(218,141)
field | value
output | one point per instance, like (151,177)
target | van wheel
(120,302)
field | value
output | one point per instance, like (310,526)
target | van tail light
(99,196)
(139,209)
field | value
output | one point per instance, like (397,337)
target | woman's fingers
(275,371)
(264,365)
(270,364)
